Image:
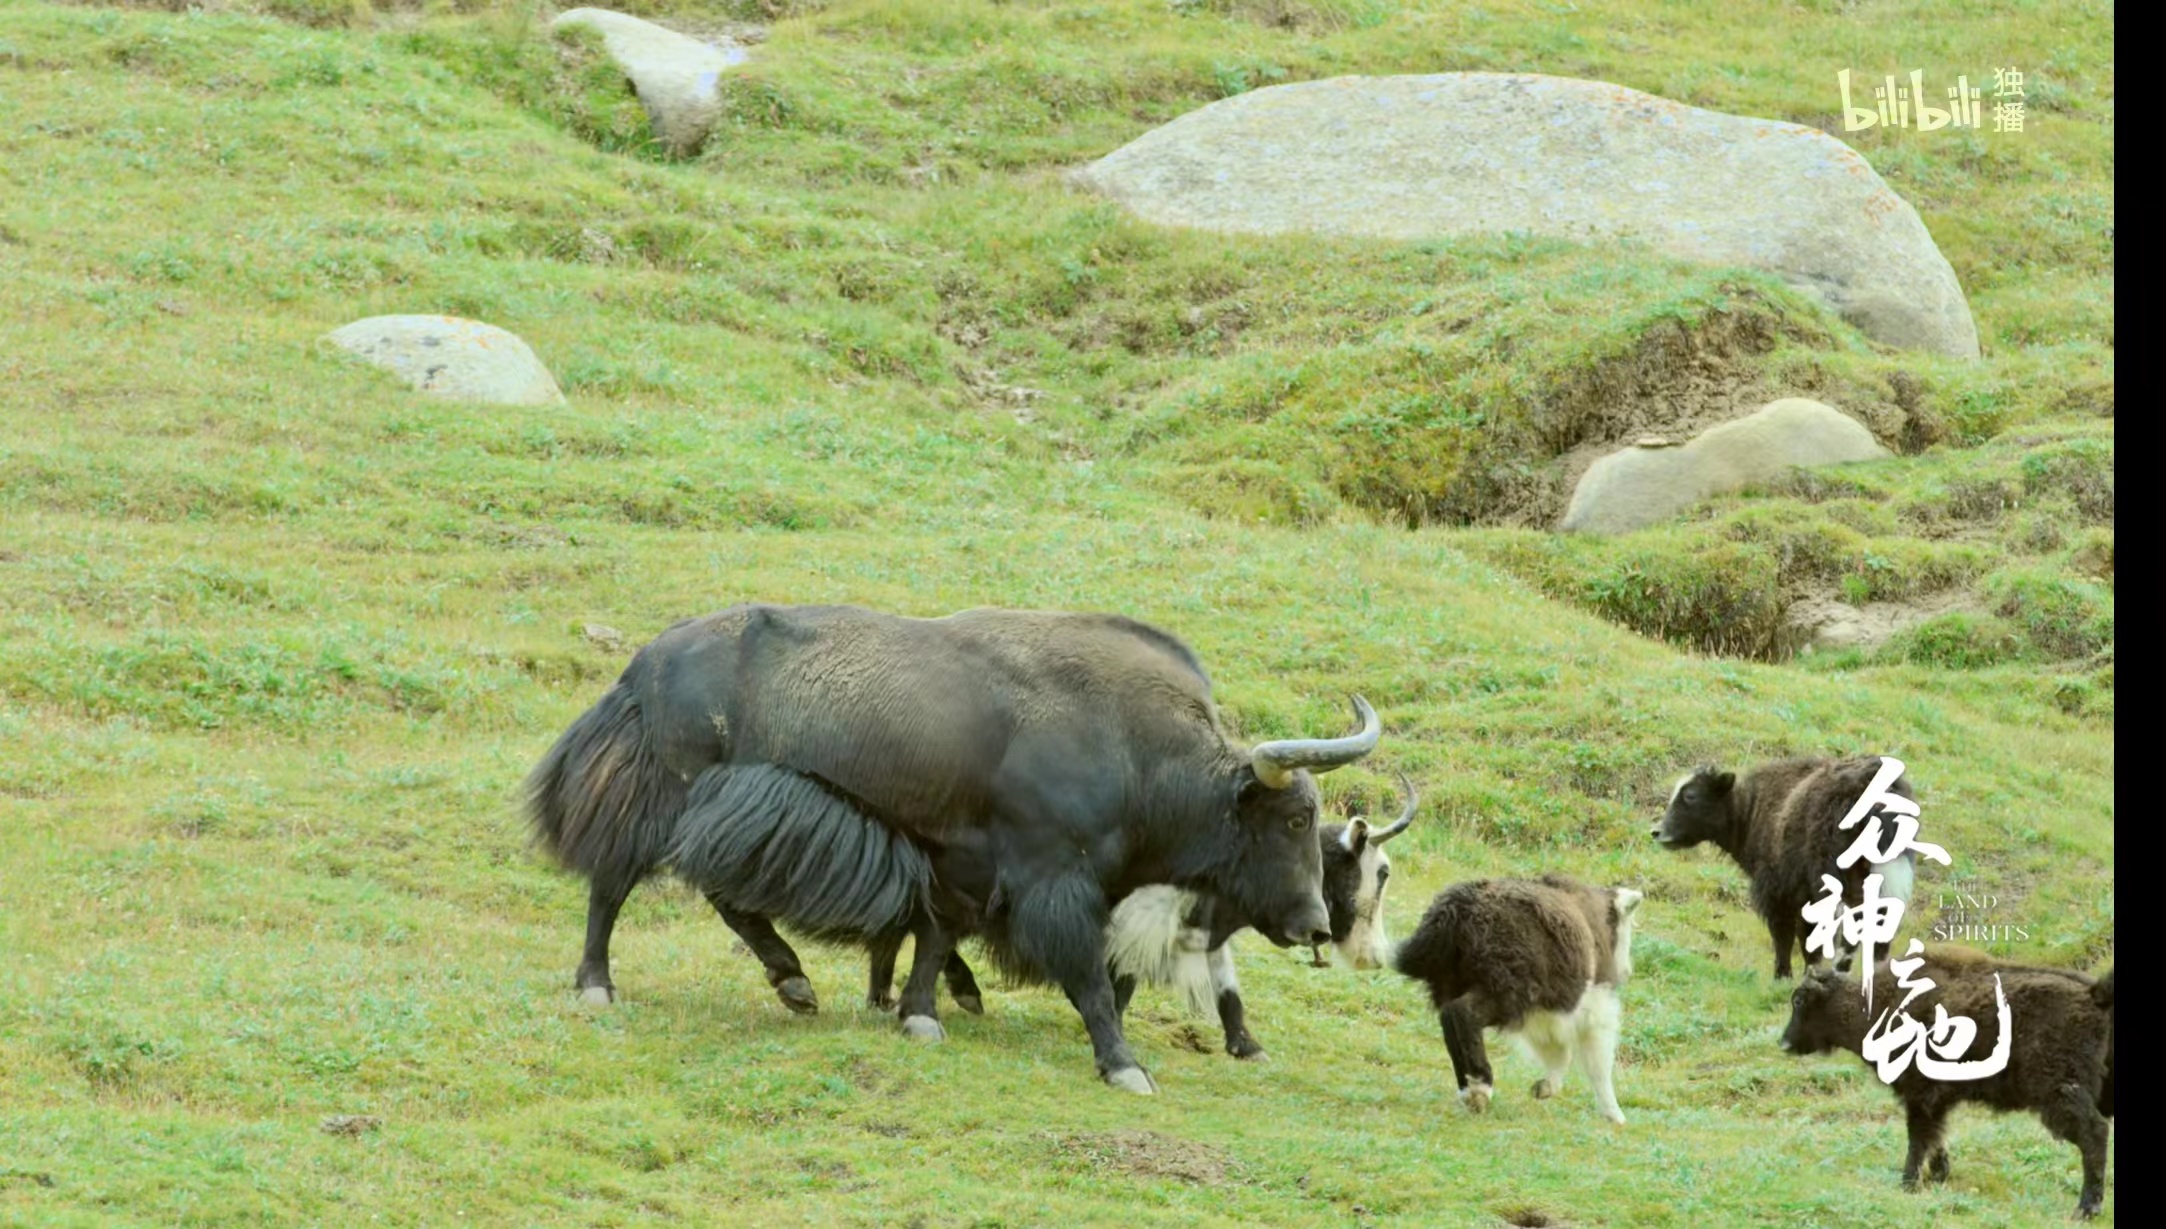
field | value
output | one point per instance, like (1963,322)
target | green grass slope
(278,639)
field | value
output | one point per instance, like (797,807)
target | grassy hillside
(278,639)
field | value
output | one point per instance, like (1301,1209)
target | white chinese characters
(1897,1039)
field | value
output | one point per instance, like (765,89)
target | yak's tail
(776,843)
(1149,938)
(600,801)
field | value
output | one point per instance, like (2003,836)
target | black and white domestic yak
(1012,774)
(1781,825)
(1166,936)
(1542,959)
(2060,1053)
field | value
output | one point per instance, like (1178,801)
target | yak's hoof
(597,996)
(886,1002)
(1475,1097)
(971,1003)
(1254,1054)
(923,1028)
(1133,1079)
(2088,1208)
(796,994)
(1544,1089)
(1615,1116)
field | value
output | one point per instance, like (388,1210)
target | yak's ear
(1723,781)
(1355,836)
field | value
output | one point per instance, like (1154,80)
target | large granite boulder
(464,360)
(1645,484)
(677,77)
(1423,157)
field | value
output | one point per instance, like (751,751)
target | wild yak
(1540,958)
(1173,937)
(2060,1061)
(1781,825)
(1050,763)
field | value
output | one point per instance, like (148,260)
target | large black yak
(1781,825)
(1007,773)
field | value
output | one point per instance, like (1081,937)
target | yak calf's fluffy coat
(1779,823)
(1539,958)
(2060,1062)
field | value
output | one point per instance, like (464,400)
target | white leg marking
(597,996)
(1600,1015)
(923,1028)
(1220,963)
(1550,1038)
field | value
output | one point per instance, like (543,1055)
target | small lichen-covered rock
(1641,485)
(464,360)
(1429,157)
(677,77)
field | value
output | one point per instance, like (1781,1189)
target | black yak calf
(1539,958)
(2060,1061)
(1780,824)
(1168,936)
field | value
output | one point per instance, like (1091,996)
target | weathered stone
(677,77)
(1423,157)
(1823,624)
(1640,486)
(464,360)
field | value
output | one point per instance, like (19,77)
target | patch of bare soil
(1148,1154)
(1821,622)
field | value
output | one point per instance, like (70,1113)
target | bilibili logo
(1906,103)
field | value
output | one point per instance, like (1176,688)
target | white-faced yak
(1013,774)
(1165,936)
(1780,823)
(2059,1062)
(1542,959)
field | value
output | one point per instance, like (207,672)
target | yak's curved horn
(1406,816)
(1276,762)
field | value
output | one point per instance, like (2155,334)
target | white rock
(676,77)
(464,360)
(1641,486)
(1420,157)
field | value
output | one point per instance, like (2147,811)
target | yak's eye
(1383,875)
(1297,823)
